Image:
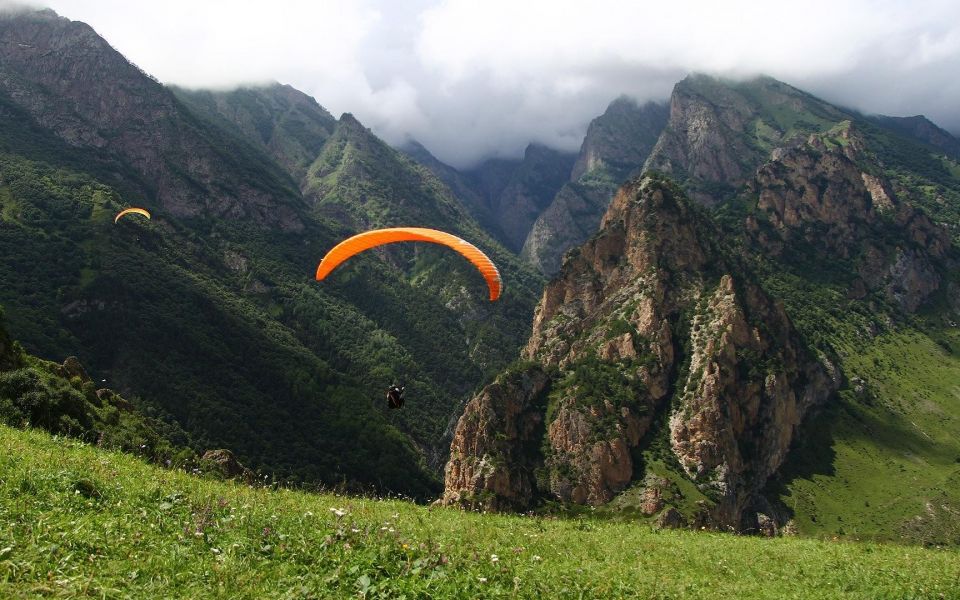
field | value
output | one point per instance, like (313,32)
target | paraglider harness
(395,396)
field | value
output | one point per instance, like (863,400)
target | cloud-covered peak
(477,79)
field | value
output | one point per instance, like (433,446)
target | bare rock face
(615,147)
(745,393)
(818,195)
(590,461)
(649,317)
(224,463)
(493,454)
(570,219)
(720,131)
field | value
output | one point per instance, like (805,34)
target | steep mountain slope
(290,125)
(528,191)
(466,189)
(506,196)
(70,82)
(616,145)
(209,311)
(651,317)
(682,351)
(720,131)
(921,129)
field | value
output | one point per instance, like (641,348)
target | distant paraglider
(378,237)
(131,211)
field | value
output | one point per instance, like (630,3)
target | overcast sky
(474,78)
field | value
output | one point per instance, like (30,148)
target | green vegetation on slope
(209,312)
(63,399)
(75,520)
(154,308)
(884,459)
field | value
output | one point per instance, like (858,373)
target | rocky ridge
(720,131)
(616,145)
(828,200)
(648,317)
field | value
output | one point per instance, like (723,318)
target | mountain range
(750,320)
(208,312)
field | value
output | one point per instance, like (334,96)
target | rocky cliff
(827,199)
(720,131)
(650,317)
(616,145)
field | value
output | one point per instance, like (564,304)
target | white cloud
(472,78)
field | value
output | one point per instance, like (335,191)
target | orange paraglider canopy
(369,239)
(128,211)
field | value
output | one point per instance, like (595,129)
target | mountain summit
(702,358)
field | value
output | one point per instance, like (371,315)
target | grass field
(76,521)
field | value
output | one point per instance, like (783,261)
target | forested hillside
(209,311)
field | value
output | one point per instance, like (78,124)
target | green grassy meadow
(884,461)
(77,521)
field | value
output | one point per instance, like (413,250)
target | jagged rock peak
(621,138)
(653,317)
(721,130)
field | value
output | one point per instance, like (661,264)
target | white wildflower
(338,511)
(494,558)
(483,580)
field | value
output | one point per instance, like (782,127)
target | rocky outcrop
(72,368)
(720,131)
(652,316)
(223,463)
(826,198)
(616,145)
(494,452)
(746,390)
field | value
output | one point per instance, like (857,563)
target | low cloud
(475,79)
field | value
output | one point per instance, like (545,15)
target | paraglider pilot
(395,396)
